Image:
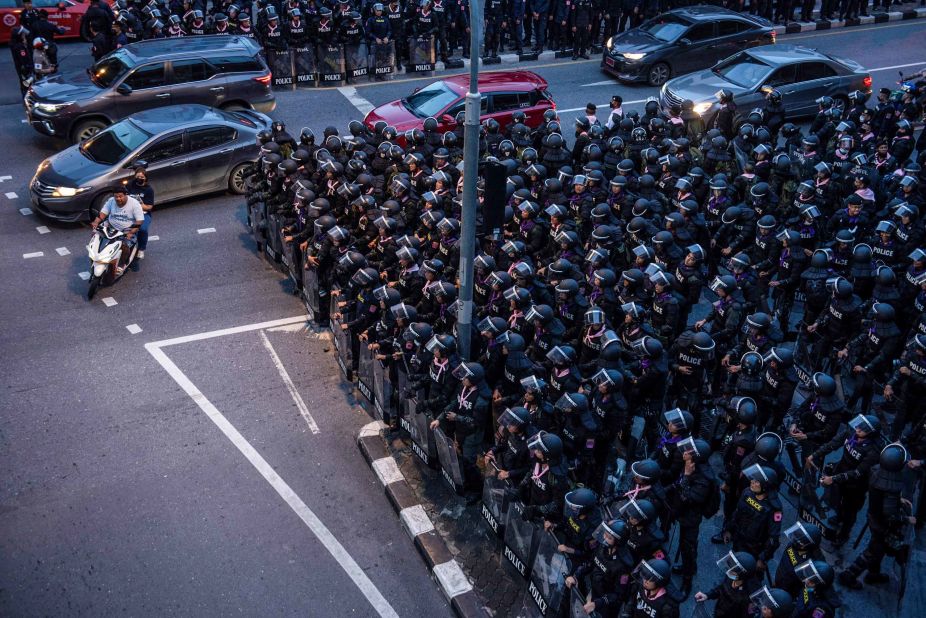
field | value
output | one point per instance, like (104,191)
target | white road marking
(133,328)
(43,230)
(24,121)
(11,195)
(109,301)
(288,328)
(29,256)
(25,211)
(63,251)
(896,66)
(293,391)
(5,178)
(154,238)
(309,518)
(84,275)
(362,105)
(607,82)
(205,230)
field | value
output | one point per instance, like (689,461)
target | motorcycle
(105,252)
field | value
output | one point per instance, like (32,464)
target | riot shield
(256,219)
(417,425)
(356,62)
(365,372)
(342,342)
(310,291)
(331,65)
(305,67)
(421,54)
(383,60)
(547,586)
(281,66)
(577,604)
(449,461)
(382,391)
(495,497)
(520,535)
(273,248)
(292,262)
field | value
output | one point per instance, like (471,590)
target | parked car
(503,93)
(189,150)
(221,71)
(64,13)
(682,41)
(802,75)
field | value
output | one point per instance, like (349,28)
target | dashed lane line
(11,195)
(63,251)
(42,229)
(133,328)
(35,254)
(109,301)
(25,211)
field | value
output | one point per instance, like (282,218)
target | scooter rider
(139,189)
(123,213)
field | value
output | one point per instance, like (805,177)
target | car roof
(784,53)
(499,81)
(190,46)
(161,119)
(708,13)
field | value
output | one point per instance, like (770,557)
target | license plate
(609,61)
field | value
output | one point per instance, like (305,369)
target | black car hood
(70,168)
(72,86)
(635,41)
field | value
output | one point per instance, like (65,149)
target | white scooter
(105,251)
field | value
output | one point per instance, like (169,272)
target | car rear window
(241,63)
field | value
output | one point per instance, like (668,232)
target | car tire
(841,102)
(236,182)
(97,205)
(87,129)
(658,74)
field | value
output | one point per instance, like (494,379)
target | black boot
(847,579)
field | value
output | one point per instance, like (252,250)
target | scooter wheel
(94,286)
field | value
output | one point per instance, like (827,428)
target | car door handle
(217,89)
(176,163)
(827,85)
(225,150)
(162,96)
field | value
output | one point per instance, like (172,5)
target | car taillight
(867,81)
(264,79)
(774,36)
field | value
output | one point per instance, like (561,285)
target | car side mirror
(684,42)
(124,88)
(415,91)
(448,119)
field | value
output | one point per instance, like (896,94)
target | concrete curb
(792,28)
(446,570)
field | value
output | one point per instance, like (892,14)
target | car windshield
(109,69)
(742,70)
(431,100)
(665,28)
(115,143)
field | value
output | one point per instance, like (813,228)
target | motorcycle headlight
(700,108)
(52,108)
(67,191)
(633,56)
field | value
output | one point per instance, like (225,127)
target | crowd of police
(639,362)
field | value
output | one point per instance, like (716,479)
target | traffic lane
(157,513)
(325,470)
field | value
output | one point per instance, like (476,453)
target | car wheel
(87,129)
(97,205)
(236,182)
(658,74)
(841,103)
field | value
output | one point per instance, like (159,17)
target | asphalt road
(124,493)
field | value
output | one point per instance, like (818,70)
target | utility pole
(470,174)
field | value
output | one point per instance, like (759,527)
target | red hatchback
(503,93)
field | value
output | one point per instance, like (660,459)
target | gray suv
(221,71)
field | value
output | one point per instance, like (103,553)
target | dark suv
(219,71)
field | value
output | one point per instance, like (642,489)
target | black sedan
(681,41)
(189,149)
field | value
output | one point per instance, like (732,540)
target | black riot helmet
(768,446)
(894,457)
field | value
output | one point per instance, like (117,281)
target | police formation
(672,322)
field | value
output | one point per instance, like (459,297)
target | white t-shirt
(125,217)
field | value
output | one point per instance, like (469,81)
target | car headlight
(52,108)
(610,42)
(67,191)
(633,56)
(700,108)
